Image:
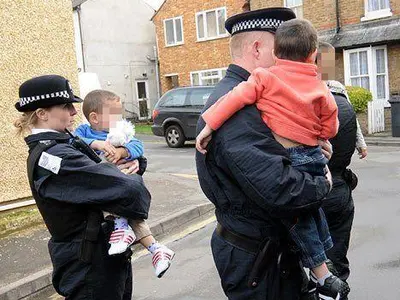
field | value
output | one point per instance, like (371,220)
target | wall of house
(37,39)
(322,13)
(192,55)
(118,36)
(394,67)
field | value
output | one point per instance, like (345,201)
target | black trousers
(339,212)
(234,265)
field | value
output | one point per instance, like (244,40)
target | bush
(359,98)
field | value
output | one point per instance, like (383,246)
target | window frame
(376,14)
(372,69)
(165,31)
(204,13)
(220,75)
(295,7)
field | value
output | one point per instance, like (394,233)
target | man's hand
(120,153)
(326,148)
(328,176)
(103,146)
(128,167)
(203,139)
(362,152)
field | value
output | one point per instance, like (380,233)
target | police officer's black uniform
(247,175)
(71,191)
(339,205)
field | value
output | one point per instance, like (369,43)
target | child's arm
(134,149)
(246,93)
(329,117)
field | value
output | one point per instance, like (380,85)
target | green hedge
(359,98)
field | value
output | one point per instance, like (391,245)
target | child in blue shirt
(105,135)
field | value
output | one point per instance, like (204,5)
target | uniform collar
(41,130)
(238,72)
(33,139)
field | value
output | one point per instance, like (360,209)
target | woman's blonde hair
(25,122)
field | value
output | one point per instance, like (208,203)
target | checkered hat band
(256,24)
(26,100)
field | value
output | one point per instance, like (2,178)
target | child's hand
(120,152)
(203,139)
(103,146)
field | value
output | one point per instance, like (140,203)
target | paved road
(374,251)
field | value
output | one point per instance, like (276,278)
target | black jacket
(67,195)
(247,174)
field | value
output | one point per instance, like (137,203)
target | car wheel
(174,136)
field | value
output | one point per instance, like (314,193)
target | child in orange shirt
(299,109)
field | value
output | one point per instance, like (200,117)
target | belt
(238,240)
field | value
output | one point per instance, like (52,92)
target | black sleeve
(245,148)
(82,181)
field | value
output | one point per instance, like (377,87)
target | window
(173,30)
(210,24)
(375,9)
(174,98)
(199,96)
(207,77)
(296,6)
(368,68)
(141,89)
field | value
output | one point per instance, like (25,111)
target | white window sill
(174,45)
(377,15)
(213,38)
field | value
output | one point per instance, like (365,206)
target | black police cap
(45,91)
(266,19)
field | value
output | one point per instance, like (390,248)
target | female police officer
(71,189)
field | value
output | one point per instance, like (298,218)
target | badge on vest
(50,162)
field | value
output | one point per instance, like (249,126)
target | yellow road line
(190,176)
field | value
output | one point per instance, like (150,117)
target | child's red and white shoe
(162,258)
(120,240)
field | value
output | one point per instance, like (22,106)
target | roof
(162,5)
(365,33)
(76,3)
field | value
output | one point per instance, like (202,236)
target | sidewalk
(382,139)
(24,261)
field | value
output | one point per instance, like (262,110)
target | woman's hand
(326,148)
(128,167)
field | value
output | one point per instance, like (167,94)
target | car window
(199,97)
(174,98)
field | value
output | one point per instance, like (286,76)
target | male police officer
(339,205)
(247,175)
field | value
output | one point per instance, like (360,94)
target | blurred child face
(110,114)
(326,64)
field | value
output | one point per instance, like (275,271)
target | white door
(143,99)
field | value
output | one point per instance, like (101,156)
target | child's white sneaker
(120,240)
(162,258)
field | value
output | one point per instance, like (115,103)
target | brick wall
(192,55)
(394,67)
(37,38)
(322,13)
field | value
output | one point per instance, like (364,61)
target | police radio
(79,144)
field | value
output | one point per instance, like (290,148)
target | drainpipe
(157,72)
(78,10)
(337,17)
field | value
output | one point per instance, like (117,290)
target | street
(374,250)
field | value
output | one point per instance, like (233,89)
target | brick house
(364,32)
(193,45)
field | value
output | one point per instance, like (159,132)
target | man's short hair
(325,47)
(95,100)
(295,40)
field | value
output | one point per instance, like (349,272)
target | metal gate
(376,116)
